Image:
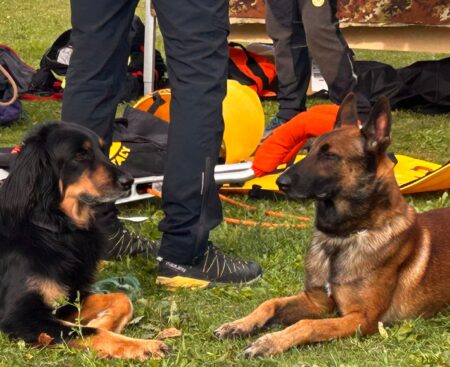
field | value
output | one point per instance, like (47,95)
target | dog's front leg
(308,331)
(111,345)
(285,310)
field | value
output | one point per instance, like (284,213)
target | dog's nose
(284,182)
(125,182)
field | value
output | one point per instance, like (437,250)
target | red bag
(251,69)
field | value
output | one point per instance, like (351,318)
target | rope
(252,208)
(269,213)
(14,86)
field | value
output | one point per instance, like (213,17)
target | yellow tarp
(413,176)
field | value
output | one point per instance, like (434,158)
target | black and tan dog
(50,246)
(372,257)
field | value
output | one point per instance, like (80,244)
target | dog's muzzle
(284,183)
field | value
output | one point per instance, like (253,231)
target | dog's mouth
(305,196)
(296,196)
(108,197)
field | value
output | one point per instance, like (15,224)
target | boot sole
(182,282)
(185,282)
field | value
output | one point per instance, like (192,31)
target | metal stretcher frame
(224,173)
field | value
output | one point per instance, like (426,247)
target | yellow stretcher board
(413,176)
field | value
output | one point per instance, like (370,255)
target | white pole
(149,49)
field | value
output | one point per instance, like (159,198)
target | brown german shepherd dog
(372,257)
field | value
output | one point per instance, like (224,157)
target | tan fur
(105,311)
(101,142)
(88,183)
(51,292)
(109,314)
(81,215)
(108,344)
(87,145)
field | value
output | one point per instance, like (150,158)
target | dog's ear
(31,181)
(377,130)
(347,114)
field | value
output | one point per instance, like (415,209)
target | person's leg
(285,28)
(331,53)
(195,38)
(96,74)
(97,70)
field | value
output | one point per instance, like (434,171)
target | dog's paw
(264,346)
(140,349)
(155,349)
(232,329)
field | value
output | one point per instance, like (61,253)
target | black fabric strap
(235,73)
(253,65)
(157,102)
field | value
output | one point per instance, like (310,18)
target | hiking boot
(214,268)
(273,124)
(122,243)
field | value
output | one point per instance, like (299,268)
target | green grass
(30,27)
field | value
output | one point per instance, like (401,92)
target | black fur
(37,238)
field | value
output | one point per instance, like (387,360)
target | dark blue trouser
(195,38)
(98,65)
(301,30)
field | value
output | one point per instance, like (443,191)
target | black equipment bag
(6,157)
(20,72)
(19,75)
(139,143)
(423,86)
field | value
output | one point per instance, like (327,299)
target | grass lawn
(30,27)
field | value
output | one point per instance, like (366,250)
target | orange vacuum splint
(281,148)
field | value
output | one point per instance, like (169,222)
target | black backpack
(139,143)
(54,64)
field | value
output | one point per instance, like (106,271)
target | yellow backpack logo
(118,153)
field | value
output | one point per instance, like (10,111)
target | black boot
(214,268)
(120,241)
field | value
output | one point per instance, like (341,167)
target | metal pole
(149,49)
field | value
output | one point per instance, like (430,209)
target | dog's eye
(325,148)
(326,153)
(82,155)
